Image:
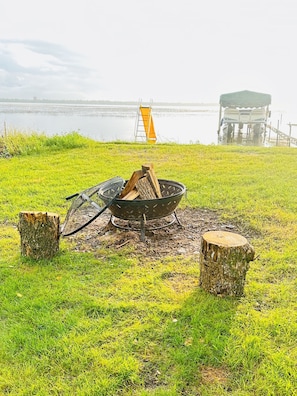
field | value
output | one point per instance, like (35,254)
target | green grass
(115,323)
(14,142)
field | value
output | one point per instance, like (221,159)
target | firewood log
(149,171)
(145,189)
(136,175)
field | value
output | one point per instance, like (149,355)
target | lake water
(183,124)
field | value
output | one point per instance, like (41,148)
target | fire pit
(87,206)
(143,210)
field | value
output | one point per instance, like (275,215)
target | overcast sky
(160,50)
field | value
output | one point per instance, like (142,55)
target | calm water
(110,122)
(180,124)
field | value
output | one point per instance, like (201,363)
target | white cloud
(44,70)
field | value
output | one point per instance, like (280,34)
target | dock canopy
(244,118)
(245,99)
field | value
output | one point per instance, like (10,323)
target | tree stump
(40,234)
(224,262)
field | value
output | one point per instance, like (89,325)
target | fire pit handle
(71,196)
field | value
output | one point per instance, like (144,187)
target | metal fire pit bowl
(146,209)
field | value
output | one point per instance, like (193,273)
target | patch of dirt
(173,240)
(212,375)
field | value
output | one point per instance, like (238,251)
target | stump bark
(40,234)
(224,262)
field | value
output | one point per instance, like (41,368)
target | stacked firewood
(143,184)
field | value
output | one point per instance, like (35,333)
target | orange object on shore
(146,113)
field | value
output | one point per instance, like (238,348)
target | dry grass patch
(212,375)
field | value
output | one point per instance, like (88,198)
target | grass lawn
(108,322)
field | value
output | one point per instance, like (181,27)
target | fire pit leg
(142,221)
(142,228)
(177,219)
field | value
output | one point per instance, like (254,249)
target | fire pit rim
(171,182)
(150,208)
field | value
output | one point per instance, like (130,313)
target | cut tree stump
(40,234)
(224,262)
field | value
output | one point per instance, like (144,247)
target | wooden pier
(280,138)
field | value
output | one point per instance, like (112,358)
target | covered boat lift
(243,117)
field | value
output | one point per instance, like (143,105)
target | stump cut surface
(224,238)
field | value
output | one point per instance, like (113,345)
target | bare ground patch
(210,375)
(173,240)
